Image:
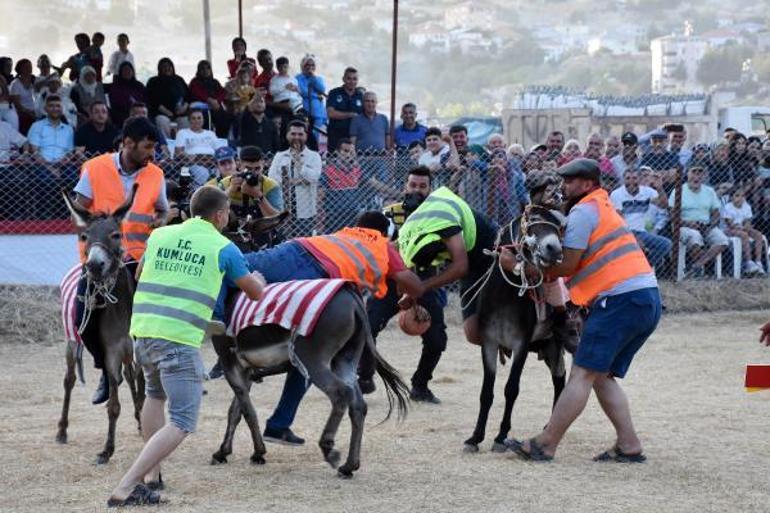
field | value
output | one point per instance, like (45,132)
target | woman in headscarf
(125,91)
(208,93)
(744,164)
(86,91)
(313,90)
(167,98)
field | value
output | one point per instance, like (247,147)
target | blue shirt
(233,265)
(370,134)
(311,88)
(52,141)
(403,137)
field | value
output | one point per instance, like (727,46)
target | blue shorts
(174,371)
(616,328)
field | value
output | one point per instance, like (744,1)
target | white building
(675,62)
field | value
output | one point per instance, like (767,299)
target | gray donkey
(330,357)
(109,301)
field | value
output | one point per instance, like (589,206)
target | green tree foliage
(722,65)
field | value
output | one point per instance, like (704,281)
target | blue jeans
(286,262)
(616,328)
(174,371)
(656,247)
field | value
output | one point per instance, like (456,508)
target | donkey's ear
(80,215)
(122,210)
(559,217)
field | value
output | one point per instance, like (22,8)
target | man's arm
(252,285)
(338,114)
(567,267)
(457,268)
(409,283)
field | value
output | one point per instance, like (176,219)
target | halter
(102,289)
(523,242)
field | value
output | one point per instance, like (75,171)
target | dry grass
(706,439)
(30,314)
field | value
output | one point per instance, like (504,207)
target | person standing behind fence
(409,130)
(170,315)
(344,104)
(105,183)
(298,170)
(607,272)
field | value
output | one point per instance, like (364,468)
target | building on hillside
(722,36)
(469,15)
(675,62)
(430,36)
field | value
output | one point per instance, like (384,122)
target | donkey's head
(102,236)
(541,230)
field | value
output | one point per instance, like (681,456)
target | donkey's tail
(396,389)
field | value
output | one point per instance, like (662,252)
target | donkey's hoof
(470,448)
(61,438)
(499,447)
(257,459)
(102,458)
(346,471)
(218,459)
(332,457)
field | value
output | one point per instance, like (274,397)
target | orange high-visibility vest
(612,256)
(360,254)
(108,195)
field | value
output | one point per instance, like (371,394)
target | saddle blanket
(293,305)
(68,289)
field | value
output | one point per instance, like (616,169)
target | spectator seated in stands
(660,159)
(86,91)
(225,158)
(119,56)
(700,221)
(633,201)
(97,135)
(342,186)
(7,110)
(737,216)
(195,147)
(555,144)
(312,88)
(719,169)
(239,57)
(409,130)
(12,182)
(284,87)
(254,128)
(166,96)
(628,158)
(161,146)
(22,91)
(595,150)
(571,152)
(206,93)
(45,72)
(12,142)
(612,147)
(124,92)
(240,90)
(54,87)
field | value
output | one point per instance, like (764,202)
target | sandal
(617,456)
(535,452)
(156,485)
(139,496)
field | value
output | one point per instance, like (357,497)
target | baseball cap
(538,147)
(659,134)
(629,137)
(224,153)
(581,168)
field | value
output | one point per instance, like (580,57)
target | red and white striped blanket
(68,290)
(292,305)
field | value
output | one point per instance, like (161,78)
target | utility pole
(207,28)
(393,70)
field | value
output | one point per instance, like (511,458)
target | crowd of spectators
(277,139)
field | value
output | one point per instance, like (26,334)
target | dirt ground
(707,441)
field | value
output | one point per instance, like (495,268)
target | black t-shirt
(261,134)
(486,233)
(95,141)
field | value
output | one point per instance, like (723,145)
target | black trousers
(434,340)
(90,334)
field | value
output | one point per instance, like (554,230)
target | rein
(99,293)
(521,259)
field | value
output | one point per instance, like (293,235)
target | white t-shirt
(280,94)
(635,209)
(430,160)
(26,94)
(9,138)
(204,142)
(737,215)
(116,59)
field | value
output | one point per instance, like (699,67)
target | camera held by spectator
(179,197)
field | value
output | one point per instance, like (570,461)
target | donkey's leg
(129,372)
(511,393)
(340,394)
(241,385)
(555,362)
(112,366)
(346,371)
(489,363)
(69,382)
(233,419)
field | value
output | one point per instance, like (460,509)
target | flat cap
(581,168)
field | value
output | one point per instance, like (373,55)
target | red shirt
(233,65)
(263,80)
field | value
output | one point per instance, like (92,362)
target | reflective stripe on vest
(178,292)
(353,258)
(173,313)
(613,255)
(109,194)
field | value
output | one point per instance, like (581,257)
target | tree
(722,65)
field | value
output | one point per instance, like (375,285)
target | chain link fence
(713,198)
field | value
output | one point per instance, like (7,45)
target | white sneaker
(760,269)
(749,267)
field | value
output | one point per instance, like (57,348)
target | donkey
(330,358)
(108,303)
(508,319)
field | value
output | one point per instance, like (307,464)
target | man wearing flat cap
(606,272)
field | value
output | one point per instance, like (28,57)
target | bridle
(523,247)
(98,293)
